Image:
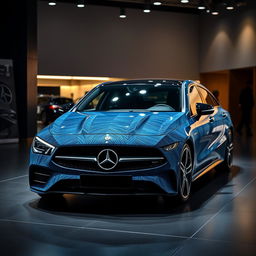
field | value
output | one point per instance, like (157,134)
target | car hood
(129,123)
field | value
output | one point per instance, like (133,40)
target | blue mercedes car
(140,137)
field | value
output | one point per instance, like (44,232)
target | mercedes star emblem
(107,137)
(5,94)
(107,159)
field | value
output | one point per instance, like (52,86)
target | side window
(92,105)
(194,97)
(207,97)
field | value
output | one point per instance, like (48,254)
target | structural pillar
(18,41)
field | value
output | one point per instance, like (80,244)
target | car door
(217,128)
(200,129)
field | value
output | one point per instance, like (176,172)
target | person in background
(246,103)
(216,94)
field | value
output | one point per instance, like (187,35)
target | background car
(51,107)
(133,137)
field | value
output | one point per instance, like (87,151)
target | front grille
(38,176)
(129,158)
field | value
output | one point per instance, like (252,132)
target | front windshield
(133,97)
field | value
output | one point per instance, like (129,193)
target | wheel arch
(190,143)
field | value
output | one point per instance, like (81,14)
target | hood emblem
(107,159)
(107,137)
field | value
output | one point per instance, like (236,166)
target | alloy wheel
(186,166)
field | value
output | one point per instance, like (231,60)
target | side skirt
(206,169)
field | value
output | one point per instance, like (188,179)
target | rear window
(42,100)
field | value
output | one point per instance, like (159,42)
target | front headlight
(171,146)
(40,146)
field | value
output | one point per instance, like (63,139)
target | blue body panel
(140,129)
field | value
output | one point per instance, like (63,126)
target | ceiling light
(122,13)
(52,3)
(184,1)
(80,4)
(157,3)
(146,10)
(147,7)
(208,11)
(201,5)
(215,13)
(230,7)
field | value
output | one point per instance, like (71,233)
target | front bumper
(47,176)
(44,180)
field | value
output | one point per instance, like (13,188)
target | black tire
(186,170)
(44,118)
(227,163)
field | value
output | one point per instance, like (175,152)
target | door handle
(211,119)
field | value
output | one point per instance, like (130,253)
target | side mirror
(204,109)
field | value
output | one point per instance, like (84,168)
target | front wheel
(185,179)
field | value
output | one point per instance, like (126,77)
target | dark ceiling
(167,5)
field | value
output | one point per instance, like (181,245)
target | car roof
(171,82)
(145,81)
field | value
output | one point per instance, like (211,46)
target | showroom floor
(218,220)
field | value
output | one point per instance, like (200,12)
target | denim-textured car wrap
(140,129)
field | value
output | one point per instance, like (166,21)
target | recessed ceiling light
(146,10)
(215,13)
(157,3)
(147,7)
(230,7)
(52,3)
(201,5)
(184,1)
(80,4)
(122,13)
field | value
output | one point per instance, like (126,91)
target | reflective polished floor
(220,218)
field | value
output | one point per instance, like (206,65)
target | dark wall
(48,90)
(94,41)
(228,41)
